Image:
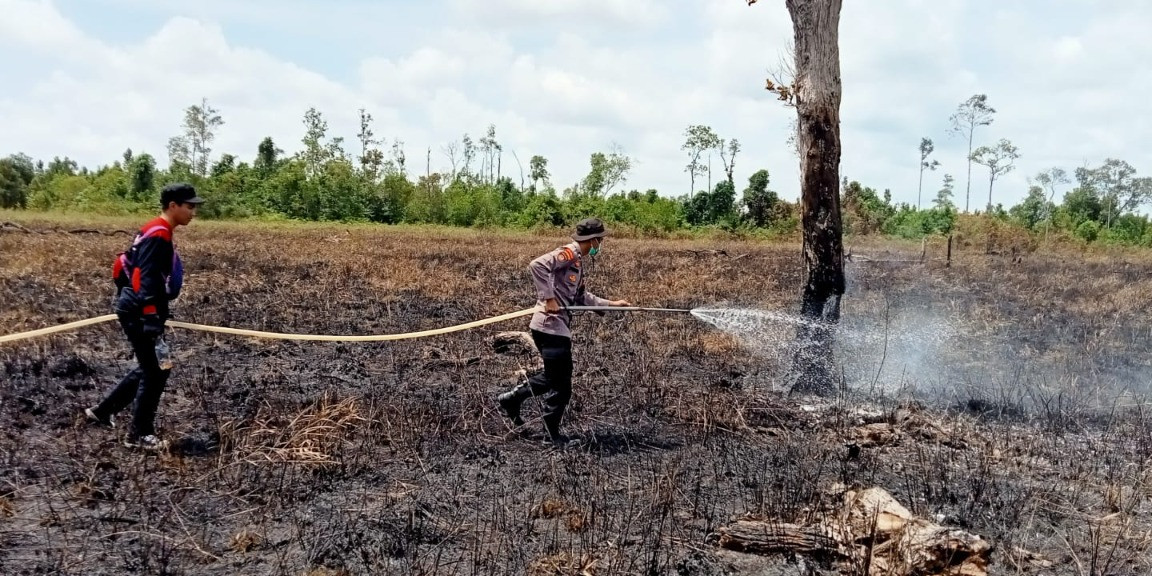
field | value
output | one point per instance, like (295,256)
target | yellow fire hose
(321,337)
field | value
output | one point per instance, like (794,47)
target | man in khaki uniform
(559,280)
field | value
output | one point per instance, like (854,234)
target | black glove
(153,325)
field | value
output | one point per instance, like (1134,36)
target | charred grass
(357,458)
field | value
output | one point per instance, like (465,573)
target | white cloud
(602,13)
(566,78)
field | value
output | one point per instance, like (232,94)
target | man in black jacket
(148,275)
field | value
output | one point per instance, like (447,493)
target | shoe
(553,435)
(92,416)
(148,442)
(561,441)
(510,407)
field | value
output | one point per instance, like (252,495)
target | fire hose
(331,337)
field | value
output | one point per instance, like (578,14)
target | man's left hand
(620,303)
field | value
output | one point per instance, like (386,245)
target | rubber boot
(553,436)
(510,402)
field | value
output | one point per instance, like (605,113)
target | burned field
(1003,398)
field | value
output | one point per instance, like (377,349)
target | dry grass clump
(311,437)
(563,564)
(246,541)
(576,519)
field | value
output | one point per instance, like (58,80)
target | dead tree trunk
(816,96)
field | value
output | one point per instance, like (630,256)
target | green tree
(543,209)
(944,196)
(16,174)
(722,203)
(758,200)
(194,146)
(62,166)
(538,170)
(606,171)
(1000,160)
(1032,210)
(1117,186)
(316,152)
(865,210)
(267,157)
(427,202)
(698,139)
(233,190)
(1081,204)
(226,164)
(142,178)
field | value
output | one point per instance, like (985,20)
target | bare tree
(371,158)
(451,150)
(973,112)
(926,149)
(816,92)
(469,154)
(520,167)
(780,81)
(728,151)
(1048,180)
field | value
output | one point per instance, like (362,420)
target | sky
(565,78)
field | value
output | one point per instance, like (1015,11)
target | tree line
(374,180)
(1096,202)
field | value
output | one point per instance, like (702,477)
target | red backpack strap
(157,230)
(123,269)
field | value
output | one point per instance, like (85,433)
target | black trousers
(554,383)
(144,384)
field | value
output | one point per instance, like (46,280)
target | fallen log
(14,226)
(705,251)
(871,529)
(873,513)
(765,537)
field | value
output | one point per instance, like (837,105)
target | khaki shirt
(559,274)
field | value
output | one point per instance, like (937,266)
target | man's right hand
(551,306)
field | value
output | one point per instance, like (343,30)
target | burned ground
(997,396)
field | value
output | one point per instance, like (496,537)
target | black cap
(588,229)
(181,192)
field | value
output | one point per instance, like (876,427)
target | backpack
(124,270)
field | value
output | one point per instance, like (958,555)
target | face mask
(593,251)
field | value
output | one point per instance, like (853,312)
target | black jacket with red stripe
(143,271)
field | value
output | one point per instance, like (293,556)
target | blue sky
(565,78)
